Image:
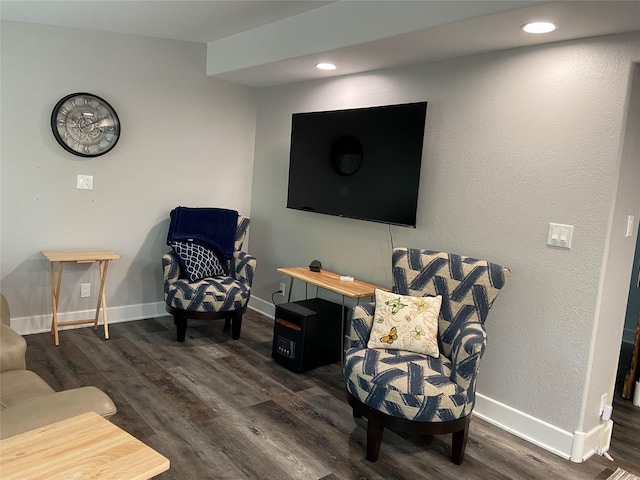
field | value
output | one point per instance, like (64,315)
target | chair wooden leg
(232,320)
(459,442)
(181,327)
(376,422)
(358,410)
(236,324)
(375,429)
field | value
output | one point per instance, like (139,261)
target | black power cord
(273,294)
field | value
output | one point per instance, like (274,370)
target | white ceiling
(191,20)
(266,42)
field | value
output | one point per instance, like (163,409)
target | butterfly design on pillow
(393,335)
(417,332)
(422,305)
(395,305)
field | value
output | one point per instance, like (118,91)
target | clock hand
(101,122)
(105,122)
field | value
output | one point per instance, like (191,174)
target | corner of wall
(584,444)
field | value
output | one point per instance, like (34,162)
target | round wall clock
(85,125)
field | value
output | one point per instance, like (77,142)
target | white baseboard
(585,444)
(525,426)
(129,313)
(577,446)
(262,306)
(42,323)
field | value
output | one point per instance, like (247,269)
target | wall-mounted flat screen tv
(359,163)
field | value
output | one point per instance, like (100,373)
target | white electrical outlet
(85,290)
(283,288)
(603,402)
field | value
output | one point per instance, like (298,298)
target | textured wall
(514,140)
(186,140)
(614,294)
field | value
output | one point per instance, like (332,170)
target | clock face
(85,125)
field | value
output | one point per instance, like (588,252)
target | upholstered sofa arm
(467,350)
(12,349)
(242,267)
(46,409)
(361,321)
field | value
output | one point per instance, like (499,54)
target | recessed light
(326,66)
(539,27)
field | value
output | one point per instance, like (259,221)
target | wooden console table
(78,256)
(86,446)
(331,281)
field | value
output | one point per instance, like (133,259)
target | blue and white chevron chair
(414,392)
(221,296)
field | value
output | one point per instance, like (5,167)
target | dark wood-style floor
(222,409)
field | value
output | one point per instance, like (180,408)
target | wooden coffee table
(86,446)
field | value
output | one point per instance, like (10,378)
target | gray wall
(514,140)
(186,140)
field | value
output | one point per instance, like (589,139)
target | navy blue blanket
(214,228)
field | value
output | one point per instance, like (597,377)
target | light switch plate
(85,182)
(560,235)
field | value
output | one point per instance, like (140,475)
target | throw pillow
(197,261)
(401,322)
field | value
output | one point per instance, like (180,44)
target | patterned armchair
(222,296)
(409,391)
